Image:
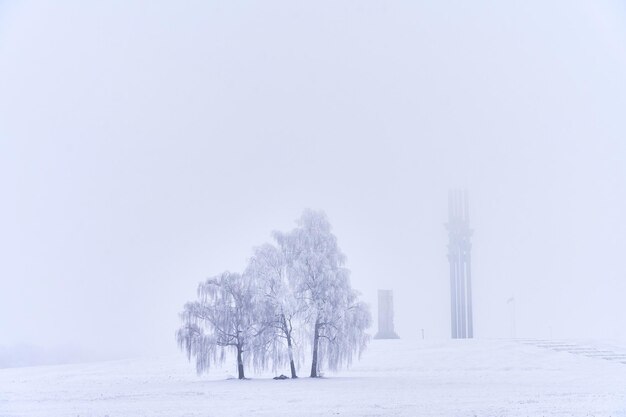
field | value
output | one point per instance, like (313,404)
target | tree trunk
(240,363)
(289,347)
(291,363)
(316,340)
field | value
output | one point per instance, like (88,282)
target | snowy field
(394,378)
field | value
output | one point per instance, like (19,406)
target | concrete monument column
(385,316)
(459,256)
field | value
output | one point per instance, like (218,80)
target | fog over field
(145,146)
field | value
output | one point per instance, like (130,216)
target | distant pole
(422,334)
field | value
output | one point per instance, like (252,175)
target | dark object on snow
(281,376)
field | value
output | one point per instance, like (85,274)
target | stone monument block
(385,316)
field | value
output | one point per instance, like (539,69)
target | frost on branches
(335,319)
(280,310)
(294,293)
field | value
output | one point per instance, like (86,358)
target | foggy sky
(146,146)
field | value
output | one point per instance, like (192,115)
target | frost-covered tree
(224,317)
(279,307)
(341,330)
(297,287)
(336,319)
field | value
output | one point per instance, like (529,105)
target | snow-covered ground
(393,378)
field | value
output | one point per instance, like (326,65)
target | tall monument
(385,316)
(459,256)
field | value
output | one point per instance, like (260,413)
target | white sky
(145,146)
